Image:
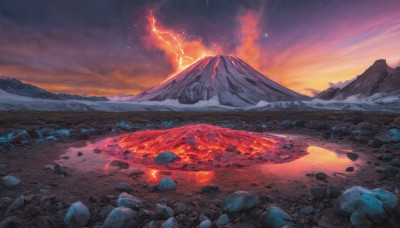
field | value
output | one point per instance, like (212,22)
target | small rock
(321,176)
(166,157)
(121,217)
(164,211)
(335,191)
(44,191)
(170,223)
(210,188)
(386,157)
(395,162)
(58,169)
(79,154)
(206,224)
(126,200)
(318,193)
(307,210)
(222,220)
(124,187)
(77,216)
(120,164)
(16,205)
(152,224)
(352,156)
(166,184)
(349,169)
(11,181)
(240,201)
(275,217)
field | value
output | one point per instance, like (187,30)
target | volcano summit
(228,78)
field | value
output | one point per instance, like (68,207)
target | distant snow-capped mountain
(379,78)
(17,87)
(227,78)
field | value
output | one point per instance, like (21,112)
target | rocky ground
(55,196)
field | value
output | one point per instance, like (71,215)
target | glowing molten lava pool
(203,147)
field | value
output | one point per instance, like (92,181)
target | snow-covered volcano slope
(229,78)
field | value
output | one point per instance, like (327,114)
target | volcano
(226,78)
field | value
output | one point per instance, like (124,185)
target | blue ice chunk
(166,123)
(63,132)
(122,124)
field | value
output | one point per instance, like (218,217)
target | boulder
(240,201)
(166,157)
(222,220)
(164,211)
(77,216)
(275,217)
(367,207)
(126,200)
(170,223)
(166,184)
(121,217)
(11,181)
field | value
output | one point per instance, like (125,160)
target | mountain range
(14,86)
(379,78)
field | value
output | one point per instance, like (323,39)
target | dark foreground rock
(240,201)
(275,217)
(121,217)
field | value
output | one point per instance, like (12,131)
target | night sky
(110,47)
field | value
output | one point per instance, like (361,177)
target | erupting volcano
(227,78)
(204,147)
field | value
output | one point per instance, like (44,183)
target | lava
(204,147)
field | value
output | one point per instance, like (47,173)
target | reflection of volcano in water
(204,147)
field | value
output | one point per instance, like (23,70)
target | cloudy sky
(117,47)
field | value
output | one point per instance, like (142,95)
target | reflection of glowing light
(203,177)
(319,158)
(106,168)
(153,173)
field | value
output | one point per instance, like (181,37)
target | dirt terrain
(32,155)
